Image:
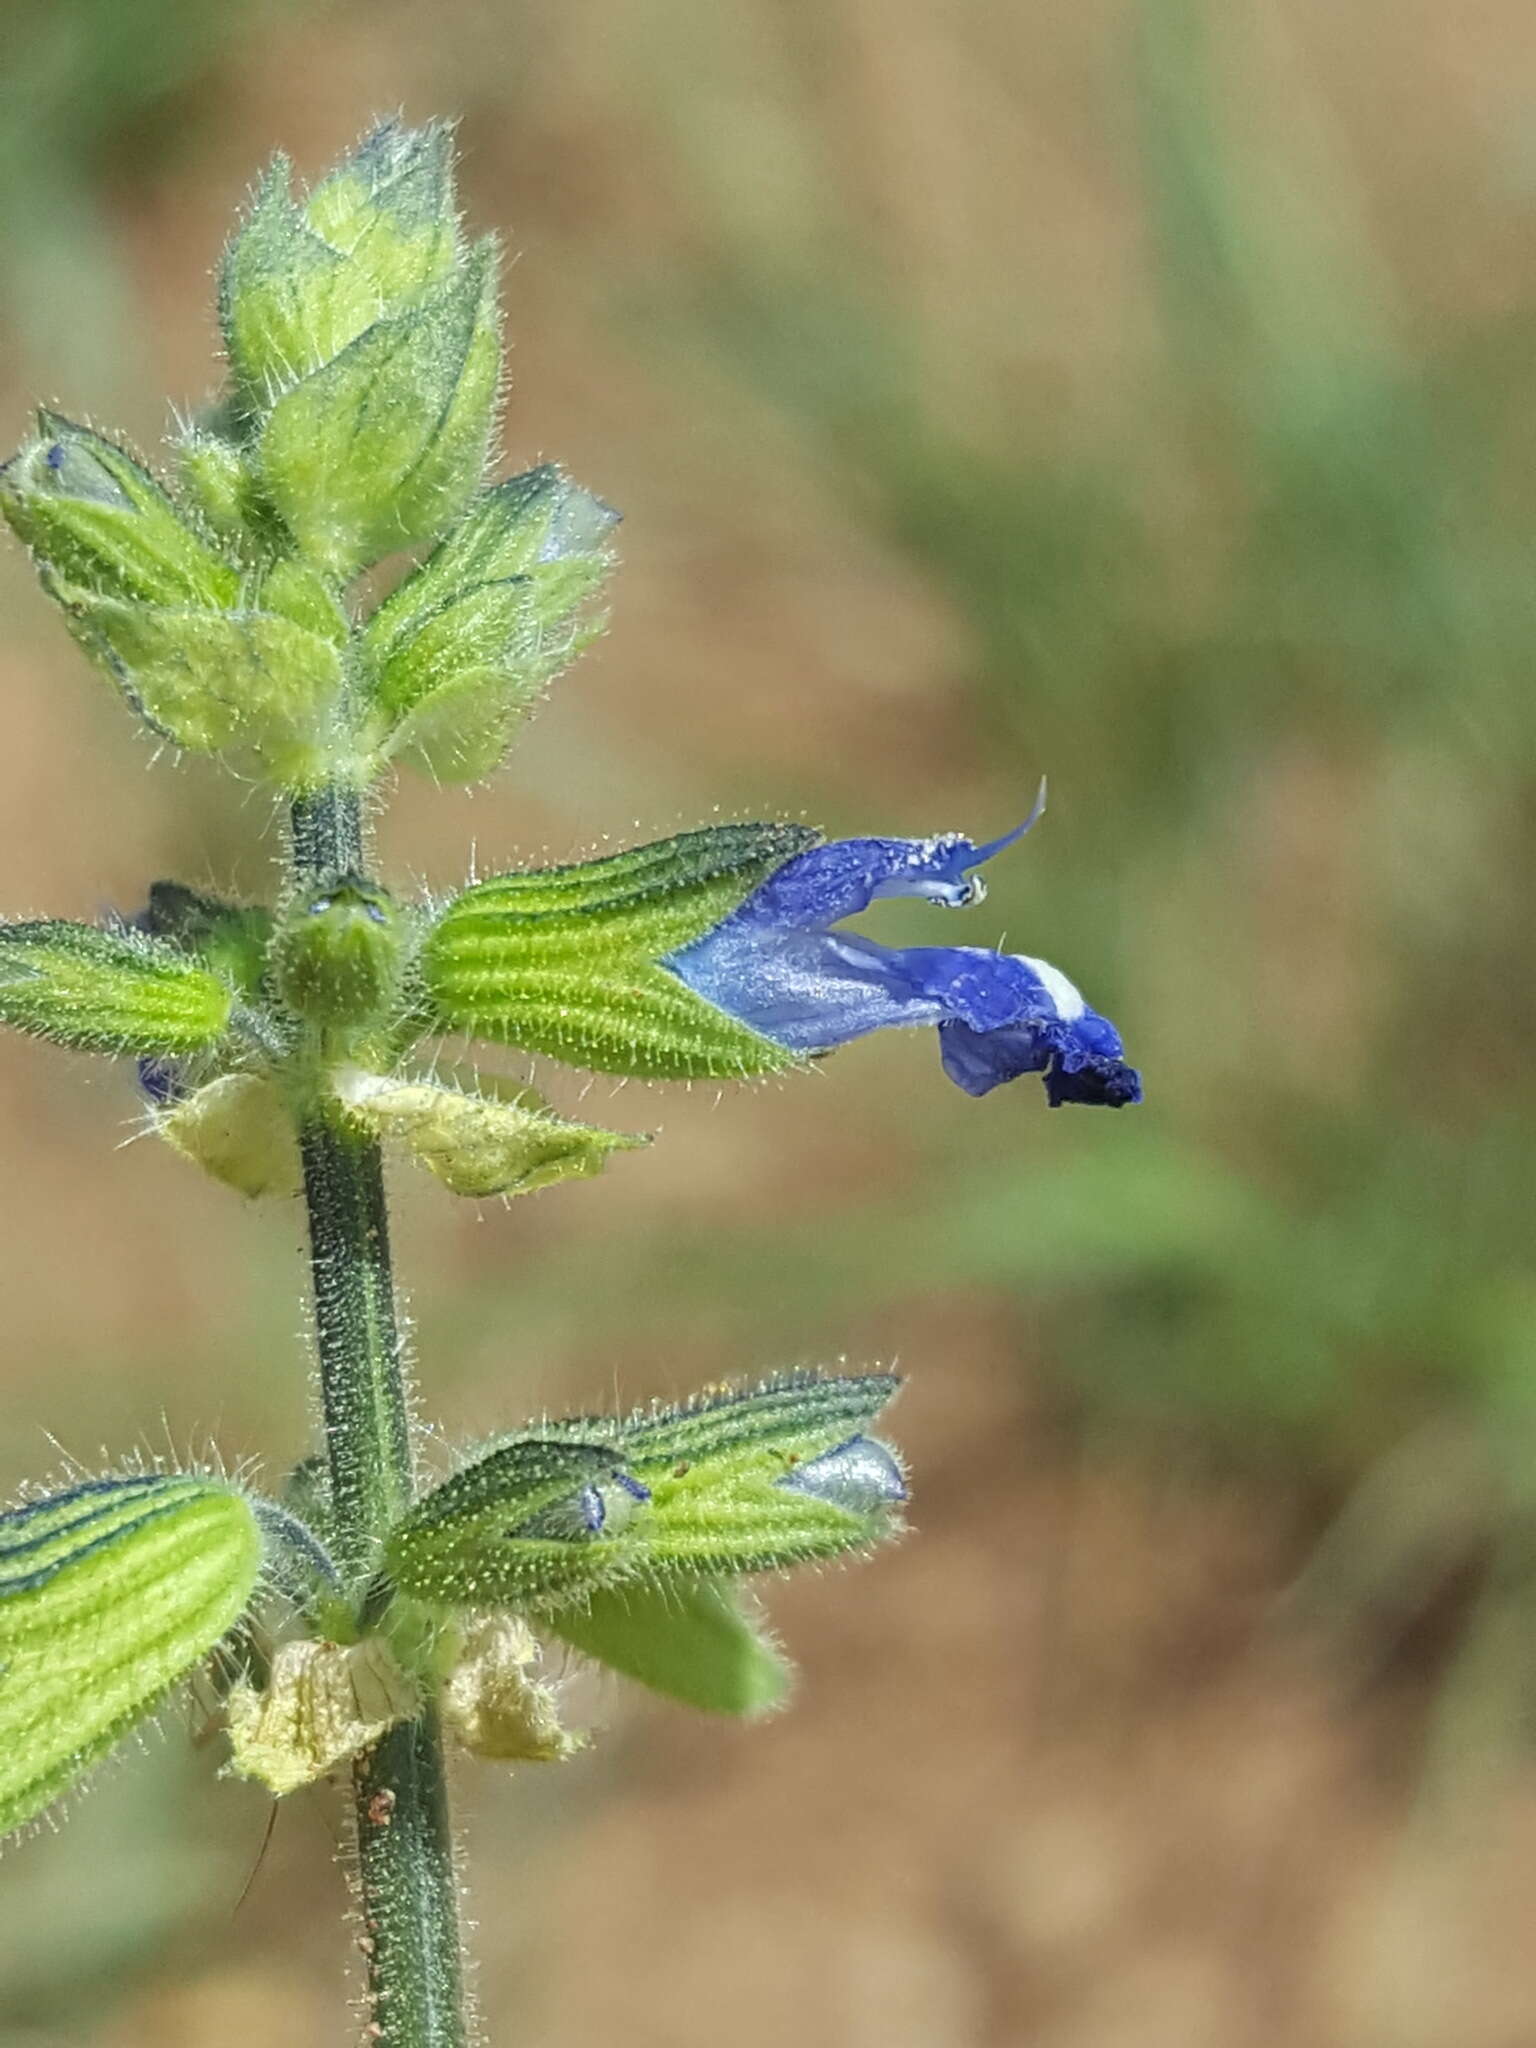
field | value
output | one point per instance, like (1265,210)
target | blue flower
(783,965)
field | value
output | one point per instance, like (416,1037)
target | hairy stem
(408,1891)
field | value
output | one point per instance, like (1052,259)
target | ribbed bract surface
(107,991)
(567,960)
(110,1594)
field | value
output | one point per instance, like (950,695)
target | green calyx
(113,992)
(364,340)
(382,446)
(210,658)
(525,1525)
(568,960)
(596,1524)
(465,645)
(300,281)
(111,1593)
(100,526)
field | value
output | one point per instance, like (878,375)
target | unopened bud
(338,954)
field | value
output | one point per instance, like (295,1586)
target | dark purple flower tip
(781,965)
(161,1080)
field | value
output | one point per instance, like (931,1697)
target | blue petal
(777,965)
(860,1475)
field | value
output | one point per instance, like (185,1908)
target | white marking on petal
(1069,1002)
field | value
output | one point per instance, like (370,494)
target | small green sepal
(468,642)
(694,1642)
(568,960)
(477,1145)
(111,1594)
(112,992)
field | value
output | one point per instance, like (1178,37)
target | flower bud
(366,351)
(475,1145)
(339,952)
(299,282)
(171,621)
(383,445)
(567,960)
(532,1522)
(99,525)
(110,1594)
(114,992)
(465,645)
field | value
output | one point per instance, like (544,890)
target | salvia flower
(783,965)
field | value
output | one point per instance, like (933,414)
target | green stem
(407,1887)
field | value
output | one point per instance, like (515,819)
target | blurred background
(1141,394)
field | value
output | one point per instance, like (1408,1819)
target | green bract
(382,445)
(479,1145)
(567,960)
(115,992)
(110,1594)
(466,644)
(693,1642)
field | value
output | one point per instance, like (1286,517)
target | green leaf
(113,992)
(693,1642)
(382,446)
(475,1145)
(98,523)
(110,1594)
(566,960)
